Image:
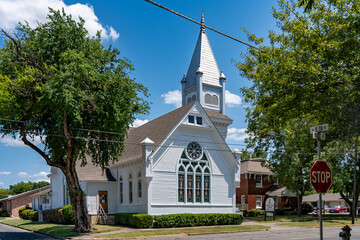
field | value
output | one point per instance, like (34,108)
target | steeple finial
(202,21)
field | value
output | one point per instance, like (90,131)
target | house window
(121,189)
(258,180)
(191,119)
(258,202)
(46,200)
(130,189)
(199,120)
(139,186)
(193,175)
(65,193)
(207,98)
(276,181)
(242,199)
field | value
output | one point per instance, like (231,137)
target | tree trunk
(77,199)
(299,202)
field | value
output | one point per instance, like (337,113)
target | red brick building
(13,203)
(257,183)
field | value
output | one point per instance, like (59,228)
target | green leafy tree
(308,71)
(27,186)
(56,81)
(4,193)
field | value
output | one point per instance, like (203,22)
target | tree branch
(31,145)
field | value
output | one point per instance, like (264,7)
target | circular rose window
(194,151)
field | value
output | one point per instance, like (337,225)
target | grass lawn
(174,231)
(58,229)
(304,218)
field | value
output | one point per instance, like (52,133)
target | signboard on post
(321,177)
(319,128)
(269,208)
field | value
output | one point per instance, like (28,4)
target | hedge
(5,214)
(52,215)
(190,220)
(29,214)
(23,209)
(134,220)
(68,215)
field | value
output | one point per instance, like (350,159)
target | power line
(136,135)
(169,146)
(192,20)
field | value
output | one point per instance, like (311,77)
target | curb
(34,231)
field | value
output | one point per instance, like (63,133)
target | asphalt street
(279,234)
(11,233)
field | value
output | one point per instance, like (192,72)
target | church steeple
(203,80)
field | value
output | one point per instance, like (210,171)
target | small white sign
(269,214)
(320,128)
(269,205)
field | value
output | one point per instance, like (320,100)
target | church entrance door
(103,200)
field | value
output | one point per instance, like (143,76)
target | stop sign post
(320,174)
(321,177)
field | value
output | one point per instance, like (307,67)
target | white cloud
(232,100)
(23,174)
(5,173)
(17,142)
(237,134)
(139,122)
(33,11)
(36,177)
(172,97)
(2,183)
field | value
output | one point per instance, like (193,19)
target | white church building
(177,163)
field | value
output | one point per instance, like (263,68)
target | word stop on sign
(321,177)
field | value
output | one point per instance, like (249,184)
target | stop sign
(320,176)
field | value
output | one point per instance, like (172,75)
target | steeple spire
(203,80)
(202,22)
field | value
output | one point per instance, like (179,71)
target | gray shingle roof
(26,193)
(203,56)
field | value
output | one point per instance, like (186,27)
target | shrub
(141,220)
(52,215)
(68,215)
(190,220)
(252,213)
(259,212)
(134,220)
(279,211)
(245,212)
(123,218)
(29,214)
(5,214)
(23,209)
(33,215)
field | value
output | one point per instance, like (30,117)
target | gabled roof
(254,166)
(203,59)
(25,193)
(156,130)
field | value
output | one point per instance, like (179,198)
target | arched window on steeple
(193,98)
(214,100)
(193,175)
(207,98)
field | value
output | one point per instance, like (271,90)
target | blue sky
(159,44)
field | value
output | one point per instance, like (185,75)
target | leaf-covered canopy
(56,81)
